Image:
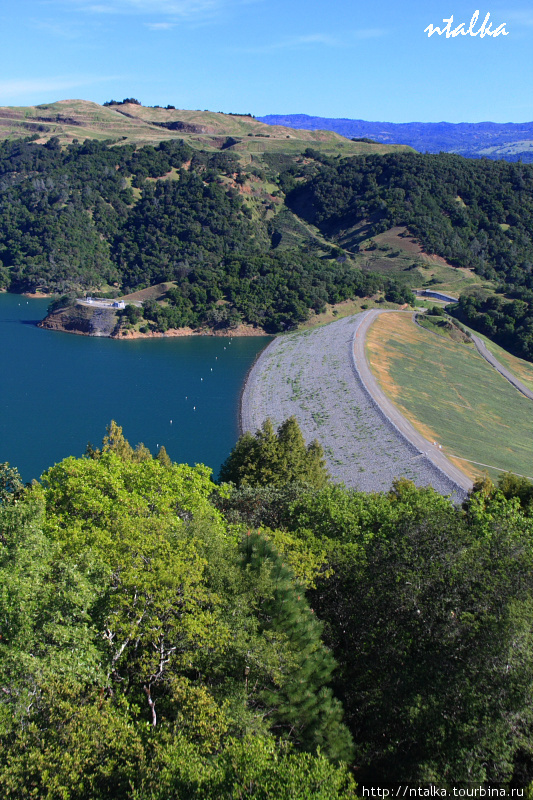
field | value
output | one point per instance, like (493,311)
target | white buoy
(171,422)
(194,408)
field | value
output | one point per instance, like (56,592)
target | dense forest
(476,214)
(508,322)
(90,214)
(163,636)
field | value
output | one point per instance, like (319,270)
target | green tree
(429,613)
(47,602)
(163,457)
(299,705)
(271,458)
(11,486)
(255,767)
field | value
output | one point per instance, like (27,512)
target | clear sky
(334,58)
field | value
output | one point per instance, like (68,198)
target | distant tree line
(131,100)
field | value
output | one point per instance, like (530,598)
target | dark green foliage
(131,100)
(145,654)
(476,214)
(275,459)
(71,221)
(508,322)
(150,649)
(515,486)
(258,506)
(302,706)
(60,209)
(429,612)
(458,208)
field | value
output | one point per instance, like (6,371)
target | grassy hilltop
(128,122)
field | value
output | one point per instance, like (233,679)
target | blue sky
(334,58)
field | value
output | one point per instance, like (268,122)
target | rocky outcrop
(83,320)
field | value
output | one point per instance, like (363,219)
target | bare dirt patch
(156,292)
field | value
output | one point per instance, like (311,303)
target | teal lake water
(58,391)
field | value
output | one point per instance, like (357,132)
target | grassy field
(345,309)
(453,396)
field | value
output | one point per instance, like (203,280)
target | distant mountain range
(509,141)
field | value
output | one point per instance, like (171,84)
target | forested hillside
(256,243)
(164,637)
(475,214)
(77,218)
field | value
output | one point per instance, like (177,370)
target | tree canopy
(270,458)
(163,636)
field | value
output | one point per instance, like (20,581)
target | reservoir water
(58,391)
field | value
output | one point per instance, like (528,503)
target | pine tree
(301,707)
(239,467)
(115,441)
(163,457)
(267,467)
(275,459)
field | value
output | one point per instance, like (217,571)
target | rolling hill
(71,120)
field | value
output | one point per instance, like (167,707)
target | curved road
(389,409)
(483,350)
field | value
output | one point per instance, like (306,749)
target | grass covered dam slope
(452,396)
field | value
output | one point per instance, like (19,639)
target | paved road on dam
(318,377)
(391,411)
(487,355)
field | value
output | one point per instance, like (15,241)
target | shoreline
(55,322)
(240,331)
(248,378)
